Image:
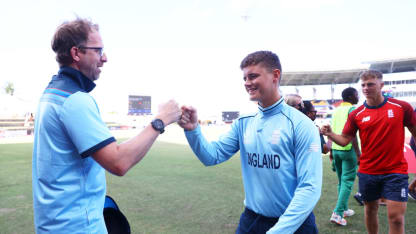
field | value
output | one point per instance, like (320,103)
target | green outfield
(170,191)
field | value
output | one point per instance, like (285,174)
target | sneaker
(412,195)
(337,219)
(358,198)
(349,213)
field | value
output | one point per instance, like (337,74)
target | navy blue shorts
(389,186)
(253,223)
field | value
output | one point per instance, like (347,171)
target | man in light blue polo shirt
(73,146)
(280,153)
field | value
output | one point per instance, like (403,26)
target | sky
(190,50)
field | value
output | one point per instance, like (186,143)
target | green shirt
(339,118)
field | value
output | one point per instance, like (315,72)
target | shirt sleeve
(308,157)
(83,123)
(409,118)
(412,140)
(413,145)
(322,141)
(212,153)
(350,128)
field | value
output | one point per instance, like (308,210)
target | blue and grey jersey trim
(58,92)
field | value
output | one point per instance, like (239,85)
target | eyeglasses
(99,50)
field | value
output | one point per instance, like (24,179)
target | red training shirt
(382,135)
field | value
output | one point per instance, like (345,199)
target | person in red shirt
(412,186)
(383,168)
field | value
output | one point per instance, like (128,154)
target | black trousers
(253,223)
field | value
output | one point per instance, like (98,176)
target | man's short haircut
(267,59)
(294,100)
(70,34)
(371,74)
(347,93)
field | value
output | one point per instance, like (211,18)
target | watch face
(158,125)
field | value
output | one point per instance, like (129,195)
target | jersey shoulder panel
(357,110)
(403,104)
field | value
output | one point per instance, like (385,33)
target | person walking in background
(310,111)
(280,153)
(383,168)
(72,145)
(345,158)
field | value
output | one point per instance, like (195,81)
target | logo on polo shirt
(390,113)
(365,119)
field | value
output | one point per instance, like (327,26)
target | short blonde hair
(371,74)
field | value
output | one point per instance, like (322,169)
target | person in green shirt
(345,158)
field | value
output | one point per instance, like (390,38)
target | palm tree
(9,88)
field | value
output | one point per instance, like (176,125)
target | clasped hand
(189,118)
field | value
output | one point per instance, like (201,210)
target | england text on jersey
(269,161)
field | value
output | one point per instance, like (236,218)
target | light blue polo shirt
(68,185)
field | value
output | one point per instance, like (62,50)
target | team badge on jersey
(275,137)
(390,113)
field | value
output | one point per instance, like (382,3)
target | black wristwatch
(158,125)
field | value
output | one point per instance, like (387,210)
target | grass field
(170,191)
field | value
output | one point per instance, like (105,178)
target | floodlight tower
(245,16)
(244,7)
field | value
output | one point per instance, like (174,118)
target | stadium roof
(320,77)
(394,65)
(346,76)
